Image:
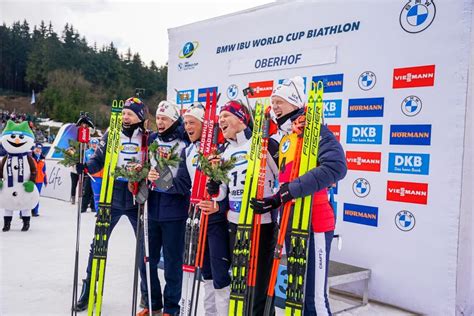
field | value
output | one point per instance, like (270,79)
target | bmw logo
(367,80)
(285,146)
(232,92)
(361,187)
(405,220)
(417,16)
(411,105)
(188,49)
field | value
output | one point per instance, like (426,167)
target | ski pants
(74,180)
(35,211)
(169,237)
(217,256)
(116,214)
(267,243)
(87,195)
(316,297)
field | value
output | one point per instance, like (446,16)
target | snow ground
(37,266)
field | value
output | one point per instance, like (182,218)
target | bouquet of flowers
(215,167)
(70,154)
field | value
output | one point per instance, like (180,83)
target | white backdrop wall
(465,288)
(396,76)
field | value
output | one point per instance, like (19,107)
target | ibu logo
(332,108)
(409,163)
(364,134)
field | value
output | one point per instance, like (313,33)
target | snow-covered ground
(37,266)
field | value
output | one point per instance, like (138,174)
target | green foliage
(70,154)
(171,159)
(216,168)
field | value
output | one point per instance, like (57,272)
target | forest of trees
(71,75)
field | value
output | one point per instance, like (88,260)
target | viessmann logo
(420,76)
(336,130)
(261,89)
(409,192)
(363,160)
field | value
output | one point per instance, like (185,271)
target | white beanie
(292,90)
(196,111)
(168,109)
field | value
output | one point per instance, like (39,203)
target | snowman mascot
(17,174)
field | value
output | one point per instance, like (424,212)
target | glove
(80,167)
(265,205)
(29,186)
(213,187)
(285,193)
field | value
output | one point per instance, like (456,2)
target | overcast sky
(140,25)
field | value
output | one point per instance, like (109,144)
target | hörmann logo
(409,163)
(364,134)
(202,93)
(361,214)
(410,135)
(332,108)
(409,192)
(332,83)
(262,89)
(410,77)
(367,107)
(363,160)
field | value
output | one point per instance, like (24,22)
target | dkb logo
(364,134)
(409,163)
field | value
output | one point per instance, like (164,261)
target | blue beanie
(137,106)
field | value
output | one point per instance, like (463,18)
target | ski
(240,301)
(196,224)
(102,225)
(300,228)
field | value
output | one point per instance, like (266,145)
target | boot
(73,200)
(146,312)
(83,300)
(142,302)
(222,300)
(209,298)
(26,223)
(7,220)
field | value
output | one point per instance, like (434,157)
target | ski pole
(83,137)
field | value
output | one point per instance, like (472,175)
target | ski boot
(7,220)
(146,312)
(83,300)
(26,223)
